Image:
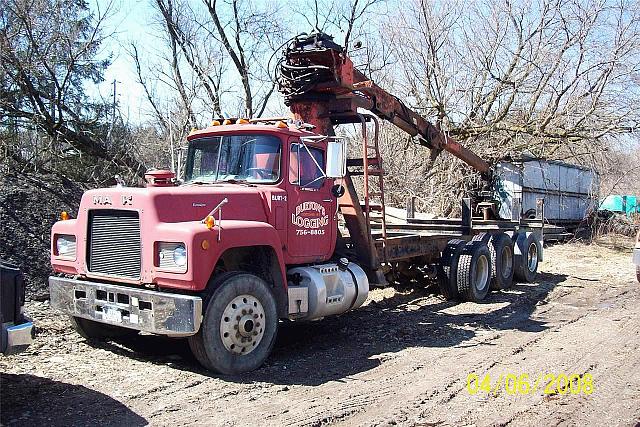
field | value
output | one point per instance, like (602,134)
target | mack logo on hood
(102,200)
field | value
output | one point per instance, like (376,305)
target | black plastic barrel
(11,292)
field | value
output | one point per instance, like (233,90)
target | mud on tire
(502,268)
(527,251)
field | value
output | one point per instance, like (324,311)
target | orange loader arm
(318,79)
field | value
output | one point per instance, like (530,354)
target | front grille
(114,243)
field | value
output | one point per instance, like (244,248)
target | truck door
(311,219)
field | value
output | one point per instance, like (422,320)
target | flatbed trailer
(428,240)
(423,240)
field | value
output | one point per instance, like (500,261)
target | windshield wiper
(198,182)
(234,181)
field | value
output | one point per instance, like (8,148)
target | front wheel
(239,325)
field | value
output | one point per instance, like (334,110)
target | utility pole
(113,110)
(173,160)
(113,116)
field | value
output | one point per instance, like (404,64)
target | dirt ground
(403,359)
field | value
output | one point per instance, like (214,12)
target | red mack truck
(272,222)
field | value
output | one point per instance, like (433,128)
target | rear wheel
(448,268)
(96,331)
(527,253)
(502,262)
(474,271)
(239,325)
(638,272)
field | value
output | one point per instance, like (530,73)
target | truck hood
(187,202)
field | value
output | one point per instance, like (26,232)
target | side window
(306,166)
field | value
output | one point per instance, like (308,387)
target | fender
(201,257)
(236,234)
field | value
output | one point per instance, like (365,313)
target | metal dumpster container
(570,192)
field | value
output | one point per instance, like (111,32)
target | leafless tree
(49,49)
(212,60)
(553,78)
(148,88)
(249,35)
(183,35)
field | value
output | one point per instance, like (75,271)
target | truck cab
(249,234)
(285,168)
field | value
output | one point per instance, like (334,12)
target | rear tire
(474,271)
(487,239)
(638,272)
(526,257)
(239,325)
(502,262)
(96,331)
(448,269)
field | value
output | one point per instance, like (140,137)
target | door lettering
(310,215)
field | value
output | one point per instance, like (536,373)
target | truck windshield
(247,158)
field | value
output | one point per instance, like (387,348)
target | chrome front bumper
(150,311)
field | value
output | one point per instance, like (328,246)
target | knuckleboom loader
(251,236)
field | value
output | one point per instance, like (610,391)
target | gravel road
(403,359)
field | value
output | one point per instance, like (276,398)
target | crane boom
(320,82)
(322,87)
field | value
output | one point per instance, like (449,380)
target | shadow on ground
(27,400)
(317,352)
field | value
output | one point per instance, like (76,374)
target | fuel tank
(322,290)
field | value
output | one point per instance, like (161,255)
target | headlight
(172,256)
(66,245)
(180,256)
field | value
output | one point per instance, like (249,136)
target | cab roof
(290,130)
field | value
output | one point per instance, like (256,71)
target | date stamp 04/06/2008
(524,384)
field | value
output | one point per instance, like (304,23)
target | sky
(130,21)
(133,20)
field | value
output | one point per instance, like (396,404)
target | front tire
(239,325)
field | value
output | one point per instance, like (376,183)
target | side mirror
(336,160)
(337,191)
